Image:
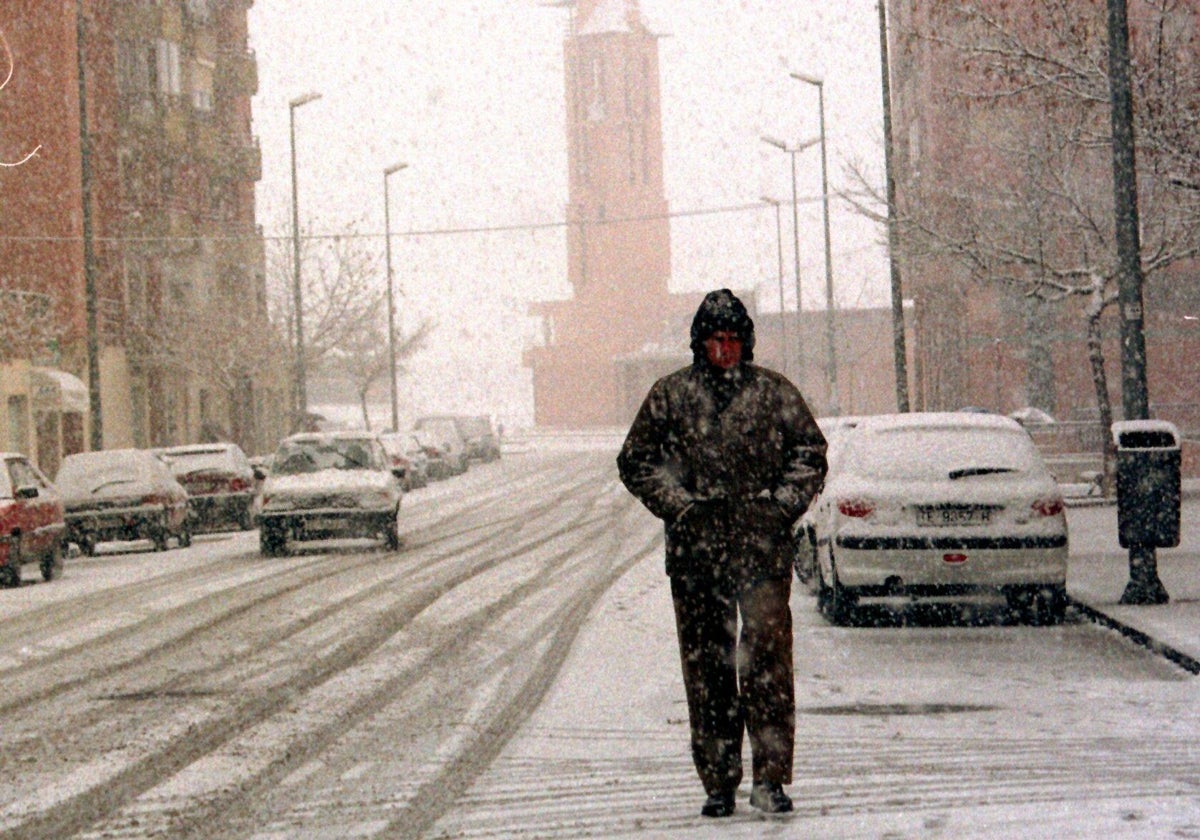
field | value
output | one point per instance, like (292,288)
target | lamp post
(783,342)
(830,341)
(793,151)
(391,298)
(297,295)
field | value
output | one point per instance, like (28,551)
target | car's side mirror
(30,492)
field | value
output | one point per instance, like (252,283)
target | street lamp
(793,151)
(783,342)
(391,298)
(297,295)
(819,84)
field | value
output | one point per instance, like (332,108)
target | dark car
(122,494)
(220,483)
(32,528)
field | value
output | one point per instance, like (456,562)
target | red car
(220,483)
(31,521)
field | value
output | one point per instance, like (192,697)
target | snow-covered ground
(512,672)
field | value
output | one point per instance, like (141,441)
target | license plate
(327,523)
(953,516)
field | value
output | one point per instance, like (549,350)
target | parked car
(409,462)
(327,485)
(835,430)
(32,527)
(482,442)
(220,483)
(444,433)
(438,463)
(940,506)
(122,494)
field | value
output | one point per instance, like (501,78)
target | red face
(723,349)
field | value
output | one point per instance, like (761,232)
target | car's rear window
(94,471)
(305,456)
(183,463)
(929,454)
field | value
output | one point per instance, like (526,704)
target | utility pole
(792,151)
(830,307)
(1144,586)
(391,296)
(301,374)
(91,301)
(899,351)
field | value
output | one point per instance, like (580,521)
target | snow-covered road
(346,692)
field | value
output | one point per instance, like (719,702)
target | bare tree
(1018,195)
(364,359)
(345,311)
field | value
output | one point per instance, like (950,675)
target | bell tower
(618,231)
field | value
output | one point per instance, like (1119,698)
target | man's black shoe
(718,805)
(769,798)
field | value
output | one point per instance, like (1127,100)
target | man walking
(728,455)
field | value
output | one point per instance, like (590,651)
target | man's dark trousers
(728,691)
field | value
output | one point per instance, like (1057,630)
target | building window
(202,85)
(168,74)
(199,10)
(597,109)
(133,67)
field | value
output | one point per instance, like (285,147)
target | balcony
(236,73)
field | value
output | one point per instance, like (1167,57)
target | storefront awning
(57,390)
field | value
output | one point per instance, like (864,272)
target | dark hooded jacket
(727,459)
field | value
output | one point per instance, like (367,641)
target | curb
(1183,660)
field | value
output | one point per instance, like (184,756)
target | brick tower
(618,240)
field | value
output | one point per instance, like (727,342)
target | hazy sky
(470,95)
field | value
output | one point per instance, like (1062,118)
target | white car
(327,485)
(943,506)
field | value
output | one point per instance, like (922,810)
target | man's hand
(698,516)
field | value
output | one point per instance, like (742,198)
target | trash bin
(1148,483)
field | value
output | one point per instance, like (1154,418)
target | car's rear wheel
(87,544)
(805,559)
(159,536)
(391,533)
(1039,605)
(52,563)
(10,576)
(272,540)
(245,520)
(834,601)
(185,536)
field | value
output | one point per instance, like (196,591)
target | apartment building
(164,248)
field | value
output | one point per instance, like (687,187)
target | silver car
(326,485)
(939,506)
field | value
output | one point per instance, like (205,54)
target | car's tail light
(237,485)
(855,507)
(1048,506)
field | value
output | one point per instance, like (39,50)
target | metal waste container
(1148,483)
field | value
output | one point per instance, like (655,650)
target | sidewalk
(1099,570)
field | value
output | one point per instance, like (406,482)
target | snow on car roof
(938,420)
